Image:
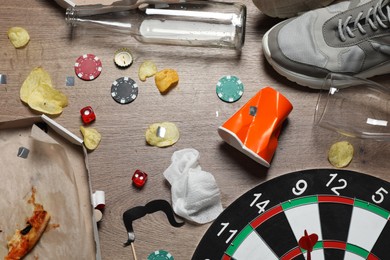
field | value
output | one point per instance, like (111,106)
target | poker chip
(230,89)
(160,255)
(124,90)
(88,67)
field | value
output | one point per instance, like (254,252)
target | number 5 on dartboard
(379,196)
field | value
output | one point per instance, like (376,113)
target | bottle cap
(123,58)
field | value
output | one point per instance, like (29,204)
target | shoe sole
(312,82)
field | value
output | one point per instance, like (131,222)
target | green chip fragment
(160,255)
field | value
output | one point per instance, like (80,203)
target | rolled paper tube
(98,199)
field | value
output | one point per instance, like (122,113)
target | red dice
(87,115)
(139,178)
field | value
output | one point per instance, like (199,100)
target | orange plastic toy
(255,128)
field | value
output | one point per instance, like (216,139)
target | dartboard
(319,214)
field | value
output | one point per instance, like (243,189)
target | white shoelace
(375,15)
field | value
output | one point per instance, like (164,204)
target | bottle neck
(116,21)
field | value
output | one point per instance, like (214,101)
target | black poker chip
(124,90)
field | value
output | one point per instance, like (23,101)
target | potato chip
(166,79)
(92,137)
(36,77)
(18,36)
(340,154)
(162,134)
(37,91)
(47,100)
(146,70)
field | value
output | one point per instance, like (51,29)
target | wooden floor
(193,105)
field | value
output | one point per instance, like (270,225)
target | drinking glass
(354,107)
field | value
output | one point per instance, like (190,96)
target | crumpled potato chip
(166,79)
(18,36)
(146,70)
(162,134)
(47,100)
(36,77)
(92,137)
(38,93)
(340,154)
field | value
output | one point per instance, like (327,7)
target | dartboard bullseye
(320,214)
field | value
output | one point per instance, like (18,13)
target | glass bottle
(173,22)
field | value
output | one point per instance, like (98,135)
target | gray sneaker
(288,8)
(351,37)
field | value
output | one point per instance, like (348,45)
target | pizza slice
(24,240)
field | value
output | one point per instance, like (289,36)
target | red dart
(307,242)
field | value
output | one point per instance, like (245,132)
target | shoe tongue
(384,5)
(363,20)
(385,2)
(354,3)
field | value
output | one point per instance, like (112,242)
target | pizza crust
(24,240)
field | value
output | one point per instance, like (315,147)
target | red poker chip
(88,67)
